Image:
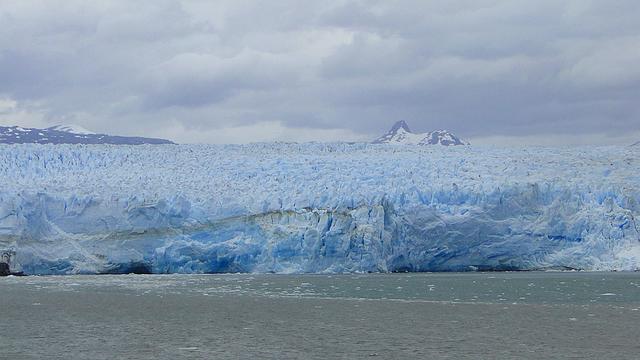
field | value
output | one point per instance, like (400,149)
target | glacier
(317,208)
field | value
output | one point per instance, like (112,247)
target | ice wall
(317,208)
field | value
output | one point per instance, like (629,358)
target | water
(529,315)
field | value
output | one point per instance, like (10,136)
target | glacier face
(320,208)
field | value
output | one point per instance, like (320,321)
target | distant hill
(68,134)
(401,134)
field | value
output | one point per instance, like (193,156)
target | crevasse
(317,208)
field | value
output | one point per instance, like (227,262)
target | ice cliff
(317,208)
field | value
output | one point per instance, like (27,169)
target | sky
(506,72)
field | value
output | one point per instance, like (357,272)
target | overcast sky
(519,72)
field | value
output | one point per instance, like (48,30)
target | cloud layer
(543,72)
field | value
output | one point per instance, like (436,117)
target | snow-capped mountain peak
(400,125)
(71,128)
(401,134)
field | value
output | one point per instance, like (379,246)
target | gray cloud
(338,70)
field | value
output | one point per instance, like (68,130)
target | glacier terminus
(317,208)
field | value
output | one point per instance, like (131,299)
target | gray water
(532,315)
